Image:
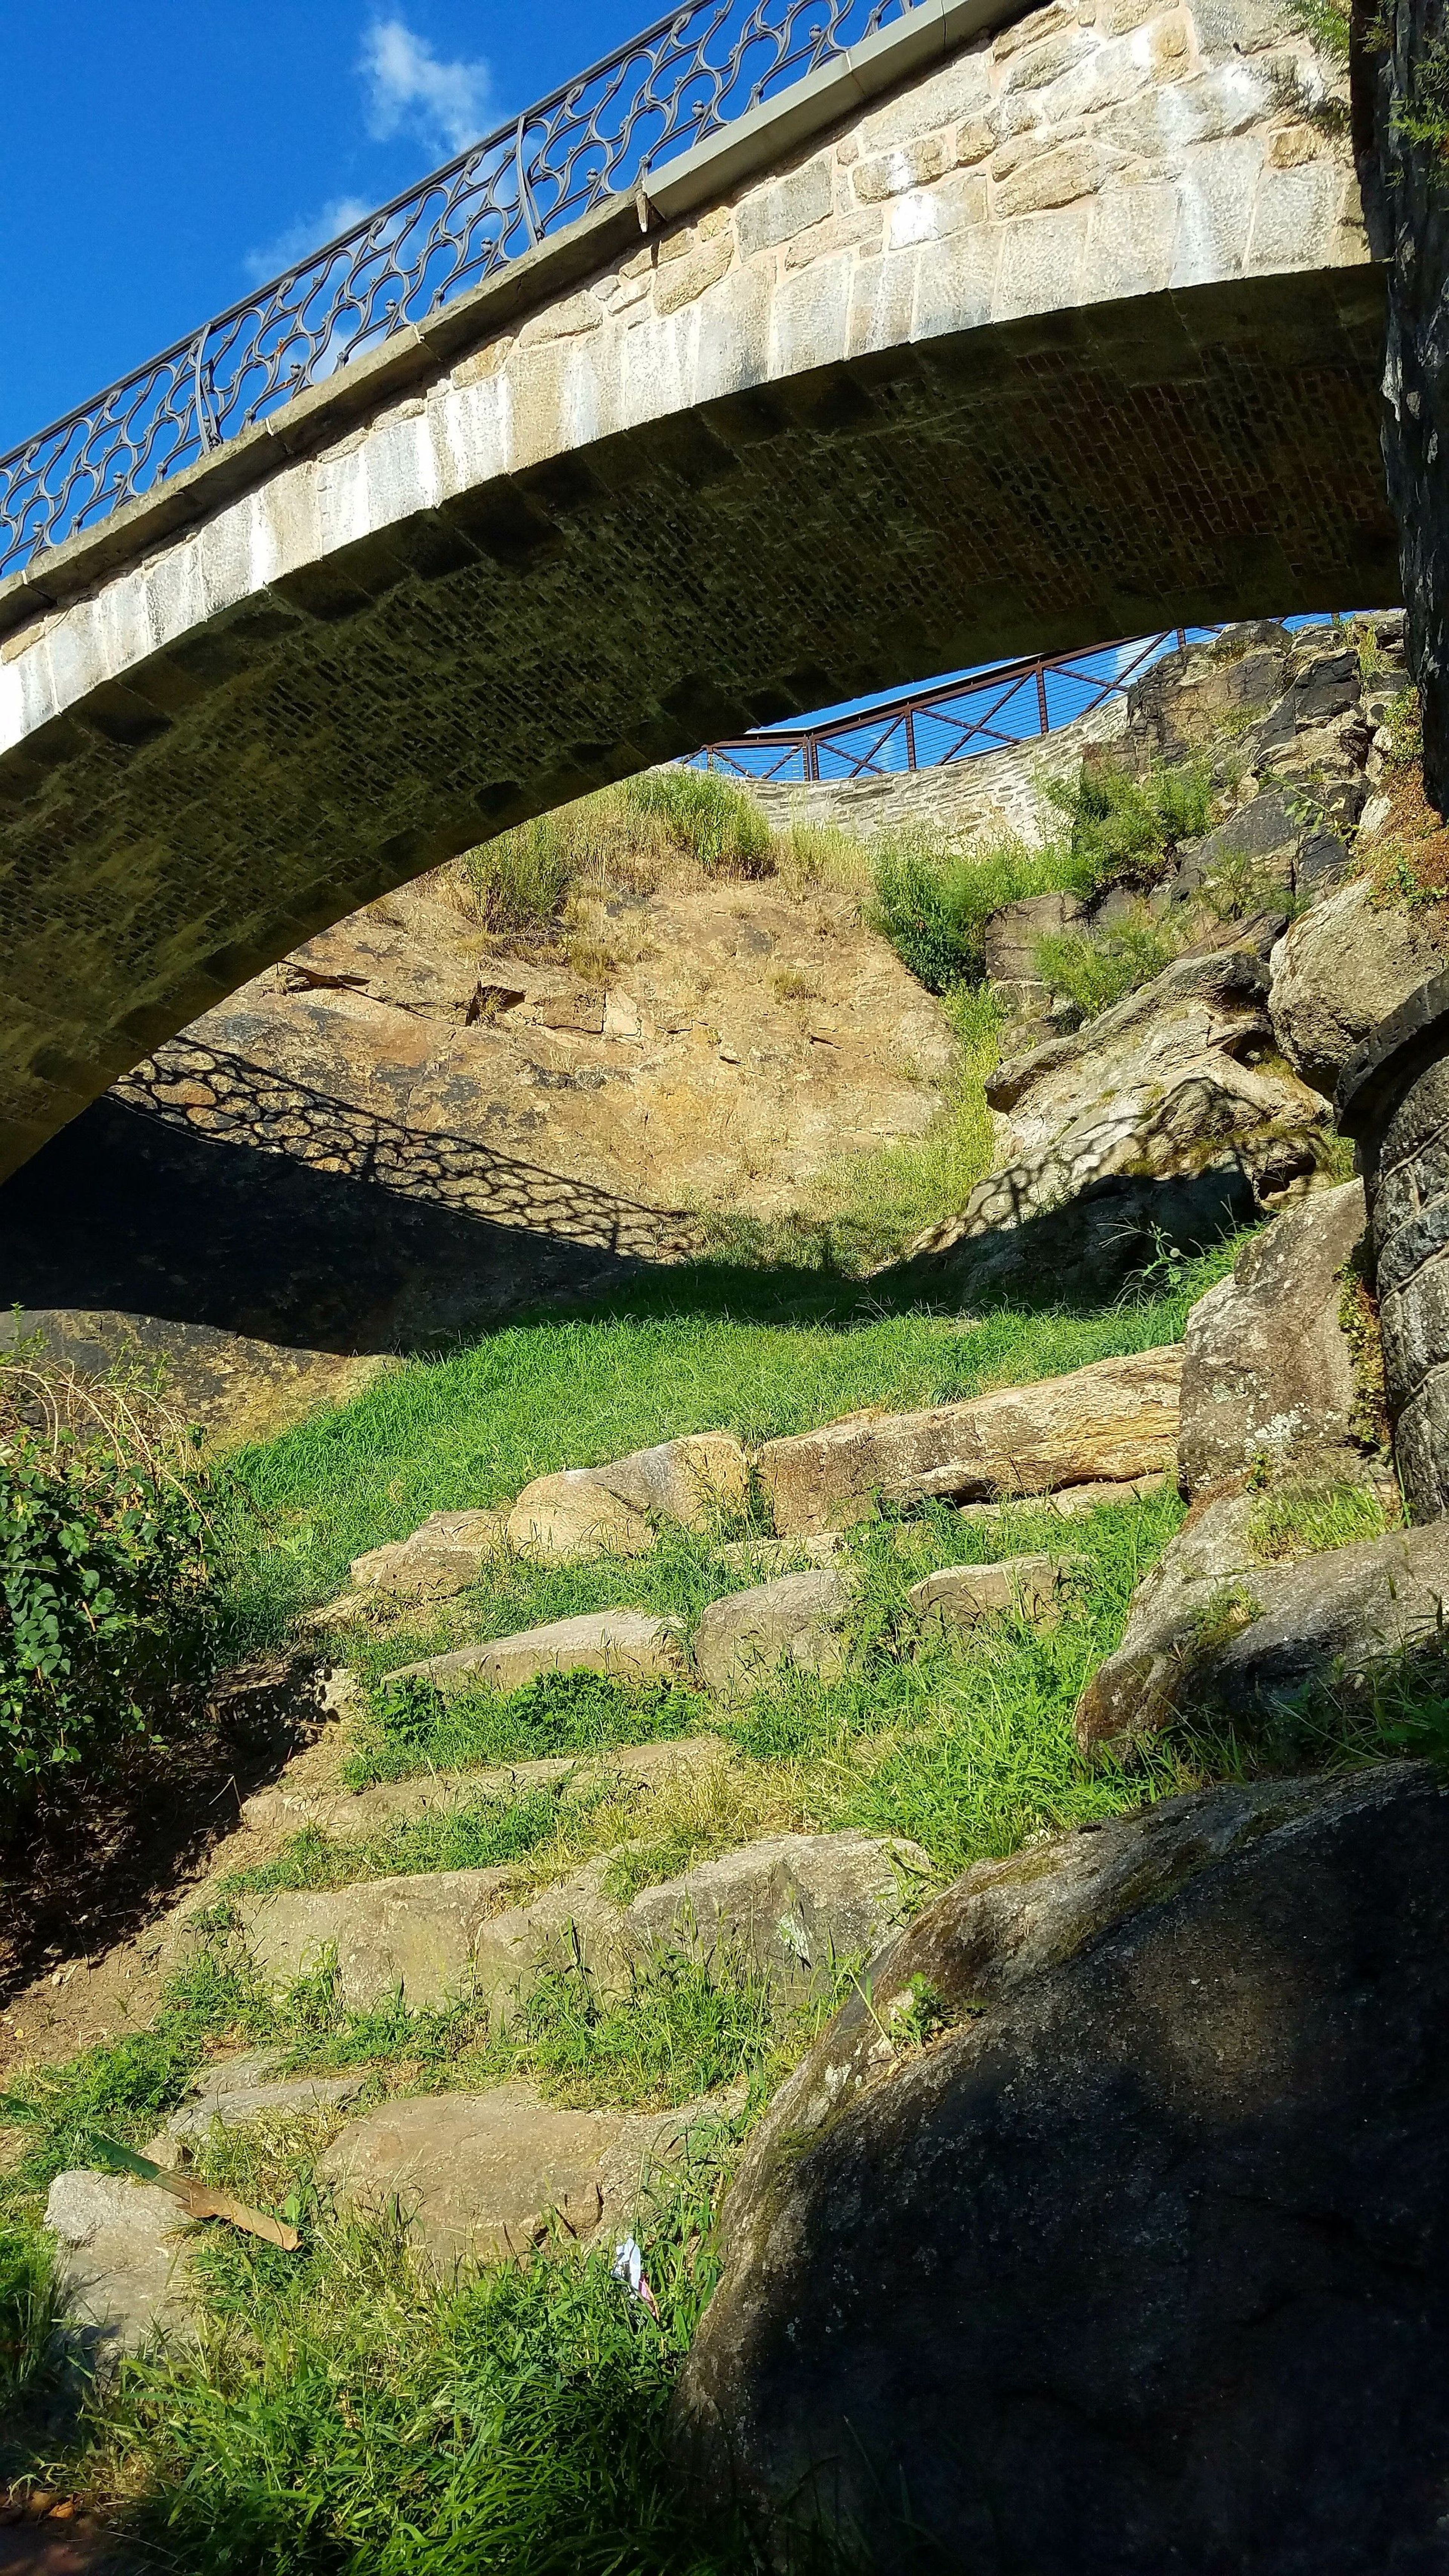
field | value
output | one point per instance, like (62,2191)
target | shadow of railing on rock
(226,1098)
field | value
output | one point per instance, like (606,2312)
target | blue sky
(158,157)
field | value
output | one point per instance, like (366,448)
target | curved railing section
(990,710)
(678,82)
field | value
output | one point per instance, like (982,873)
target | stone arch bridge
(1000,334)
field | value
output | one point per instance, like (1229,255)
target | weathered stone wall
(994,791)
(835,432)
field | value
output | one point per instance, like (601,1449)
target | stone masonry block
(963,88)
(1055,179)
(1216,209)
(811,312)
(1041,260)
(684,279)
(955,280)
(932,214)
(1294,217)
(911,165)
(1134,236)
(790,207)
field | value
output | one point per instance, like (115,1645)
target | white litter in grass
(629,2268)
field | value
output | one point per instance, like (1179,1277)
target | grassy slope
(343,2412)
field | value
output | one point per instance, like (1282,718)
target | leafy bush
(1095,968)
(933,904)
(103,1576)
(714,823)
(1123,827)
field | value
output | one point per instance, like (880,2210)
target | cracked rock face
(1120,2241)
(1270,1385)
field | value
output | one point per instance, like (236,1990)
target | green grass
(1301,1520)
(730,1349)
(414,1728)
(343,2411)
(347,2411)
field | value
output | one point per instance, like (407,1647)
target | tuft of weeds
(1096,968)
(417,1729)
(1303,1520)
(357,2410)
(716,824)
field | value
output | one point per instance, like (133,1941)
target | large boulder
(1212,1627)
(1341,969)
(1271,1382)
(1106,2229)
(1114,1420)
(1167,1117)
(478,2176)
(796,1619)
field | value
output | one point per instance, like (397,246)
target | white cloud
(307,234)
(443,105)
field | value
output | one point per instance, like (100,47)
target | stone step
(791,1905)
(414,1935)
(347,1813)
(797,1619)
(1022,1587)
(235,2091)
(449,1553)
(482,2175)
(627,1644)
(763,1557)
(1116,1420)
(618,1509)
(1069,1502)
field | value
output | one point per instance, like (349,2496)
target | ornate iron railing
(953,720)
(684,77)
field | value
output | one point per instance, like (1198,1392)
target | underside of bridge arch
(1180,457)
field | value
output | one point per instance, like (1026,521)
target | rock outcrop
(1169,1111)
(1341,969)
(1271,1378)
(1104,2230)
(1115,1420)
(1214,1629)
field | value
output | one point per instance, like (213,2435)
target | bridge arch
(1067,330)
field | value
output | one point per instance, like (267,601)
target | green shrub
(1095,968)
(520,881)
(103,1578)
(1126,828)
(933,903)
(712,822)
